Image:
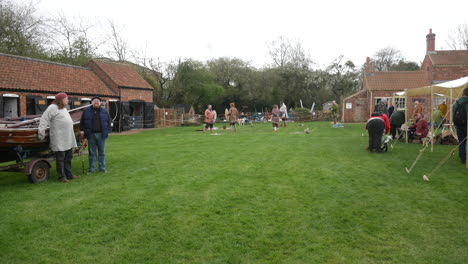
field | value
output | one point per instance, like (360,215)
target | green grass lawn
(177,195)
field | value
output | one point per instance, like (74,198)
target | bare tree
(280,51)
(285,53)
(459,39)
(155,70)
(384,58)
(120,48)
(71,39)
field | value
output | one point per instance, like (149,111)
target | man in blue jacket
(95,126)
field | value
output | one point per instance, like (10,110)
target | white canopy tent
(451,89)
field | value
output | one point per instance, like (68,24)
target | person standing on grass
(377,125)
(460,122)
(284,114)
(267,115)
(61,135)
(396,120)
(334,111)
(209,118)
(275,117)
(233,116)
(215,116)
(95,126)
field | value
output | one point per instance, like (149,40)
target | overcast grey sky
(204,29)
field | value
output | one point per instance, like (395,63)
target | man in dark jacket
(396,120)
(95,126)
(460,125)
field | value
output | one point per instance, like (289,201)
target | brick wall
(449,73)
(359,108)
(127,94)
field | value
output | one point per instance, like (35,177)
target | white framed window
(399,103)
(439,100)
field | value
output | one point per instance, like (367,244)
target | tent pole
(451,114)
(406,115)
(432,119)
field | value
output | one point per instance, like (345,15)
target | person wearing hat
(61,135)
(95,126)
(381,107)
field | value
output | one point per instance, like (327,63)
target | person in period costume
(275,117)
(233,116)
(284,114)
(334,111)
(209,119)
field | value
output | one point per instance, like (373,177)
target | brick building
(438,66)
(28,86)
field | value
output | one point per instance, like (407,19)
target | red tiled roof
(449,57)
(122,74)
(395,81)
(32,74)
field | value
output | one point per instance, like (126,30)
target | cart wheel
(39,172)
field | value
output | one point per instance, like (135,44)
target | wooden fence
(170,117)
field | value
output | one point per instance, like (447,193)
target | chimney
(368,66)
(430,40)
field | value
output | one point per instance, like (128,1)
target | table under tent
(451,90)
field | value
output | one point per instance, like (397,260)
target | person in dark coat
(390,110)
(396,120)
(460,125)
(95,126)
(377,125)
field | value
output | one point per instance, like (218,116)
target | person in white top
(61,135)
(284,114)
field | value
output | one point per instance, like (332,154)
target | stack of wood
(447,137)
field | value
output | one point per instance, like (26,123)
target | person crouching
(377,125)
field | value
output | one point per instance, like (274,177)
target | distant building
(189,111)
(327,105)
(28,86)
(437,67)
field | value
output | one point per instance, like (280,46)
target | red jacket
(421,127)
(385,119)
